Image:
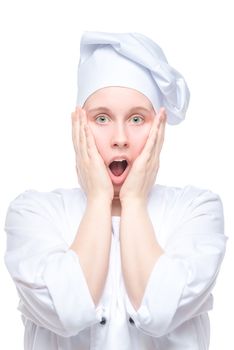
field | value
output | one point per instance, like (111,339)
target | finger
(150,143)
(75,131)
(160,138)
(75,137)
(161,132)
(80,177)
(83,142)
(91,144)
(152,149)
(156,124)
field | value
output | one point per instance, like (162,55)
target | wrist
(99,201)
(133,202)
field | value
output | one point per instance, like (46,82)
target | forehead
(116,97)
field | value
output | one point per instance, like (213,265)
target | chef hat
(135,61)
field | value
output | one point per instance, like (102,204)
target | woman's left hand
(144,169)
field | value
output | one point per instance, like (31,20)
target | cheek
(138,141)
(100,138)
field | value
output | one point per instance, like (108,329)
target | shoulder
(179,204)
(182,195)
(189,213)
(33,203)
(51,197)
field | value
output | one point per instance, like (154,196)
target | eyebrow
(108,110)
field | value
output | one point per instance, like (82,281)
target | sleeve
(48,276)
(180,284)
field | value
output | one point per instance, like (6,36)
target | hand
(144,170)
(91,169)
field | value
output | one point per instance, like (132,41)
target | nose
(120,137)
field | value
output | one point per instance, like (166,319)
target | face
(120,120)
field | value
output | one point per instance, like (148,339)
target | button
(131,320)
(103,321)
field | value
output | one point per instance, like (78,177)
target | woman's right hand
(91,169)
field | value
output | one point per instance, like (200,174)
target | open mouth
(118,167)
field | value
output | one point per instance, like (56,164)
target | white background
(39,57)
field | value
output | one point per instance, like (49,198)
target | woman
(121,262)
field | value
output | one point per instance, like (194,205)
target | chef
(120,262)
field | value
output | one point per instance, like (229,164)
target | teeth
(118,160)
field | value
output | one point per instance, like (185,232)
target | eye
(137,118)
(101,116)
(102,119)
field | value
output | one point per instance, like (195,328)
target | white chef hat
(135,61)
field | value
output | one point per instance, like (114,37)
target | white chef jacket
(56,306)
